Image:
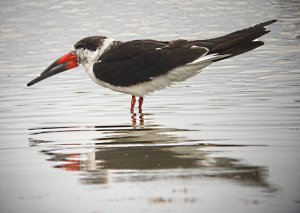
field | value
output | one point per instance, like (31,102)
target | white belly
(160,82)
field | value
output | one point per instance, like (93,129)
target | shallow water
(227,139)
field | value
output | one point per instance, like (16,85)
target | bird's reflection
(137,116)
(139,153)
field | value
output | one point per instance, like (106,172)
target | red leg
(141,100)
(133,100)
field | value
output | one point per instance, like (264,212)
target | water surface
(227,139)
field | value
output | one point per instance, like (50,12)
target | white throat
(88,58)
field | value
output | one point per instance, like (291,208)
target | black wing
(139,61)
(238,42)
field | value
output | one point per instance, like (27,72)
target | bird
(140,67)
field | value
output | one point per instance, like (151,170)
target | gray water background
(226,140)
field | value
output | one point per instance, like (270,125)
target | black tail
(238,42)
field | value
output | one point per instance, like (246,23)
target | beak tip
(30,83)
(64,63)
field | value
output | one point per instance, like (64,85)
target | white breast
(156,83)
(161,82)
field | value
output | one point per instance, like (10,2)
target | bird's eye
(78,46)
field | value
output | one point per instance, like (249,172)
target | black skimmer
(140,67)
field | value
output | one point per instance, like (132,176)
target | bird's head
(89,49)
(85,52)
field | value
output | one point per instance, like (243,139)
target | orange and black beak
(64,63)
